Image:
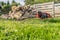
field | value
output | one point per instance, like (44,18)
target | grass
(30,29)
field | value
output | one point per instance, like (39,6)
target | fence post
(53,9)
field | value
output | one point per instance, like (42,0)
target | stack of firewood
(19,12)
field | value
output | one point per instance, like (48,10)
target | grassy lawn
(30,29)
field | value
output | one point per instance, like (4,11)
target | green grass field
(30,29)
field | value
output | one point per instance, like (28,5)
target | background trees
(6,7)
(38,1)
(29,2)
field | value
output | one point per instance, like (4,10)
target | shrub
(6,9)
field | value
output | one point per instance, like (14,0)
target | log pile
(23,12)
(19,12)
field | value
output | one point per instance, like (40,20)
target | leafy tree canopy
(38,1)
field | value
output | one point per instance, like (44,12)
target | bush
(6,9)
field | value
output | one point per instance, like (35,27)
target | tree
(14,3)
(8,2)
(18,3)
(38,1)
(2,3)
(6,7)
(29,2)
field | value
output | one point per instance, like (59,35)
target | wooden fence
(53,9)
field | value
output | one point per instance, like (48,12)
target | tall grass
(29,29)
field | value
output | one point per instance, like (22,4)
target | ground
(30,29)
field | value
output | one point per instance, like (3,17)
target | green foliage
(29,29)
(29,2)
(14,3)
(8,3)
(53,20)
(2,3)
(6,9)
(38,1)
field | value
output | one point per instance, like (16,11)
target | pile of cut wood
(20,12)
